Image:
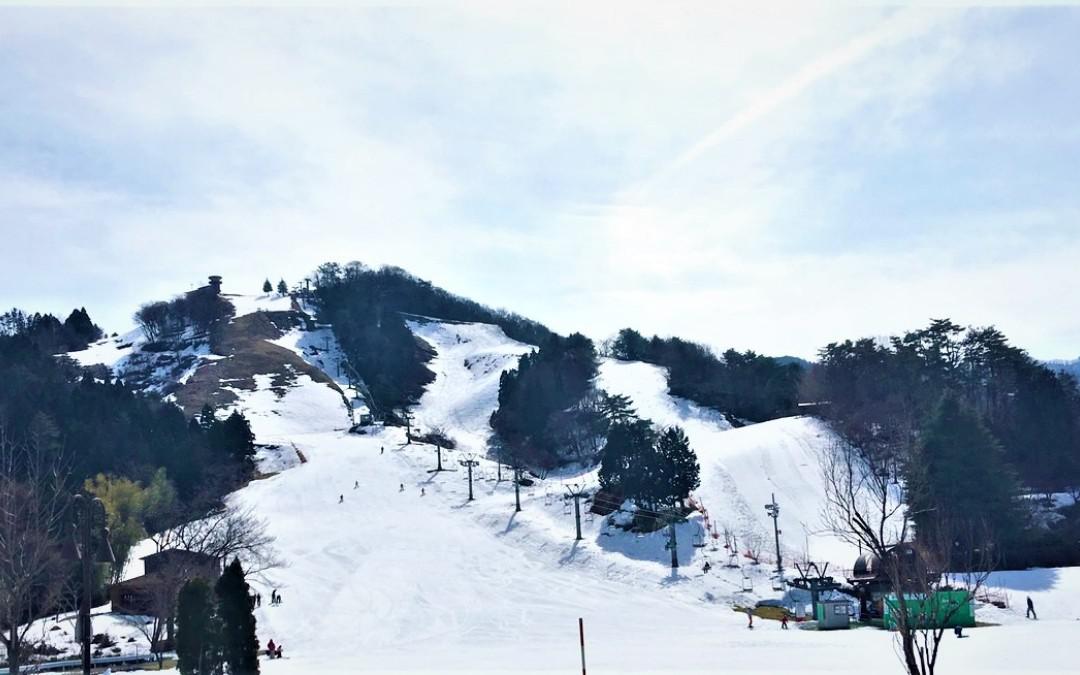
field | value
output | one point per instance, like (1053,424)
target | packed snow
(268,302)
(742,469)
(406,575)
(110,351)
(472,353)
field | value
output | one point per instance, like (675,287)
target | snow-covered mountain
(407,575)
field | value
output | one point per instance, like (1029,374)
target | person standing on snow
(401,488)
(341,499)
(271,648)
(356,485)
(783,621)
(1030,614)
(422,493)
(750,618)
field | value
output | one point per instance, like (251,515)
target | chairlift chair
(747,583)
(699,540)
(548,498)
(778,583)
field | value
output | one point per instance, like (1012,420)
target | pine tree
(622,461)
(198,648)
(267,287)
(677,470)
(958,477)
(237,437)
(282,289)
(240,645)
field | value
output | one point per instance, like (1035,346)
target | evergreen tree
(198,647)
(624,456)
(240,645)
(267,288)
(677,470)
(237,437)
(282,289)
(959,477)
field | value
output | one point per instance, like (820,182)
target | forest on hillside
(743,385)
(368,308)
(974,427)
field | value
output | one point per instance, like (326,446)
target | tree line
(549,410)
(49,334)
(966,423)
(167,321)
(66,429)
(743,385)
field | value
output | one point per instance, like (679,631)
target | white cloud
(684,169)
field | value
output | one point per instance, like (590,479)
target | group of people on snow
(273,650)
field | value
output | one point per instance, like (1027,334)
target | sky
(774,177)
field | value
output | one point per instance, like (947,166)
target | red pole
(581,634)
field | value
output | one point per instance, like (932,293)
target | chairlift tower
(469,462)
(773,509)
(672,544)
(576,491)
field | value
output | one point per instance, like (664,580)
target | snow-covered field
(408,576)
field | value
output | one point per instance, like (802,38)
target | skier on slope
(1030,614)
(341,499)
(401,487)
(750,618)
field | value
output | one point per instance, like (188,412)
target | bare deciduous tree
(226,533)
(864,507)
(33,503)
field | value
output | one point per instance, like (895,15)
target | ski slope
(741,469)
(472,353)
(422,580)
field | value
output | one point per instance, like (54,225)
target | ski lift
(566,507)
(590,516)
(699,541)
(778,583)
(747,583)
(548,498)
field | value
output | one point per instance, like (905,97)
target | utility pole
(577,491)
(89,520)
(469,462)
(773,509)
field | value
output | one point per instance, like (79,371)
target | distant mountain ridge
(1065,366)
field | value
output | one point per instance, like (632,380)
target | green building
(945,609)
